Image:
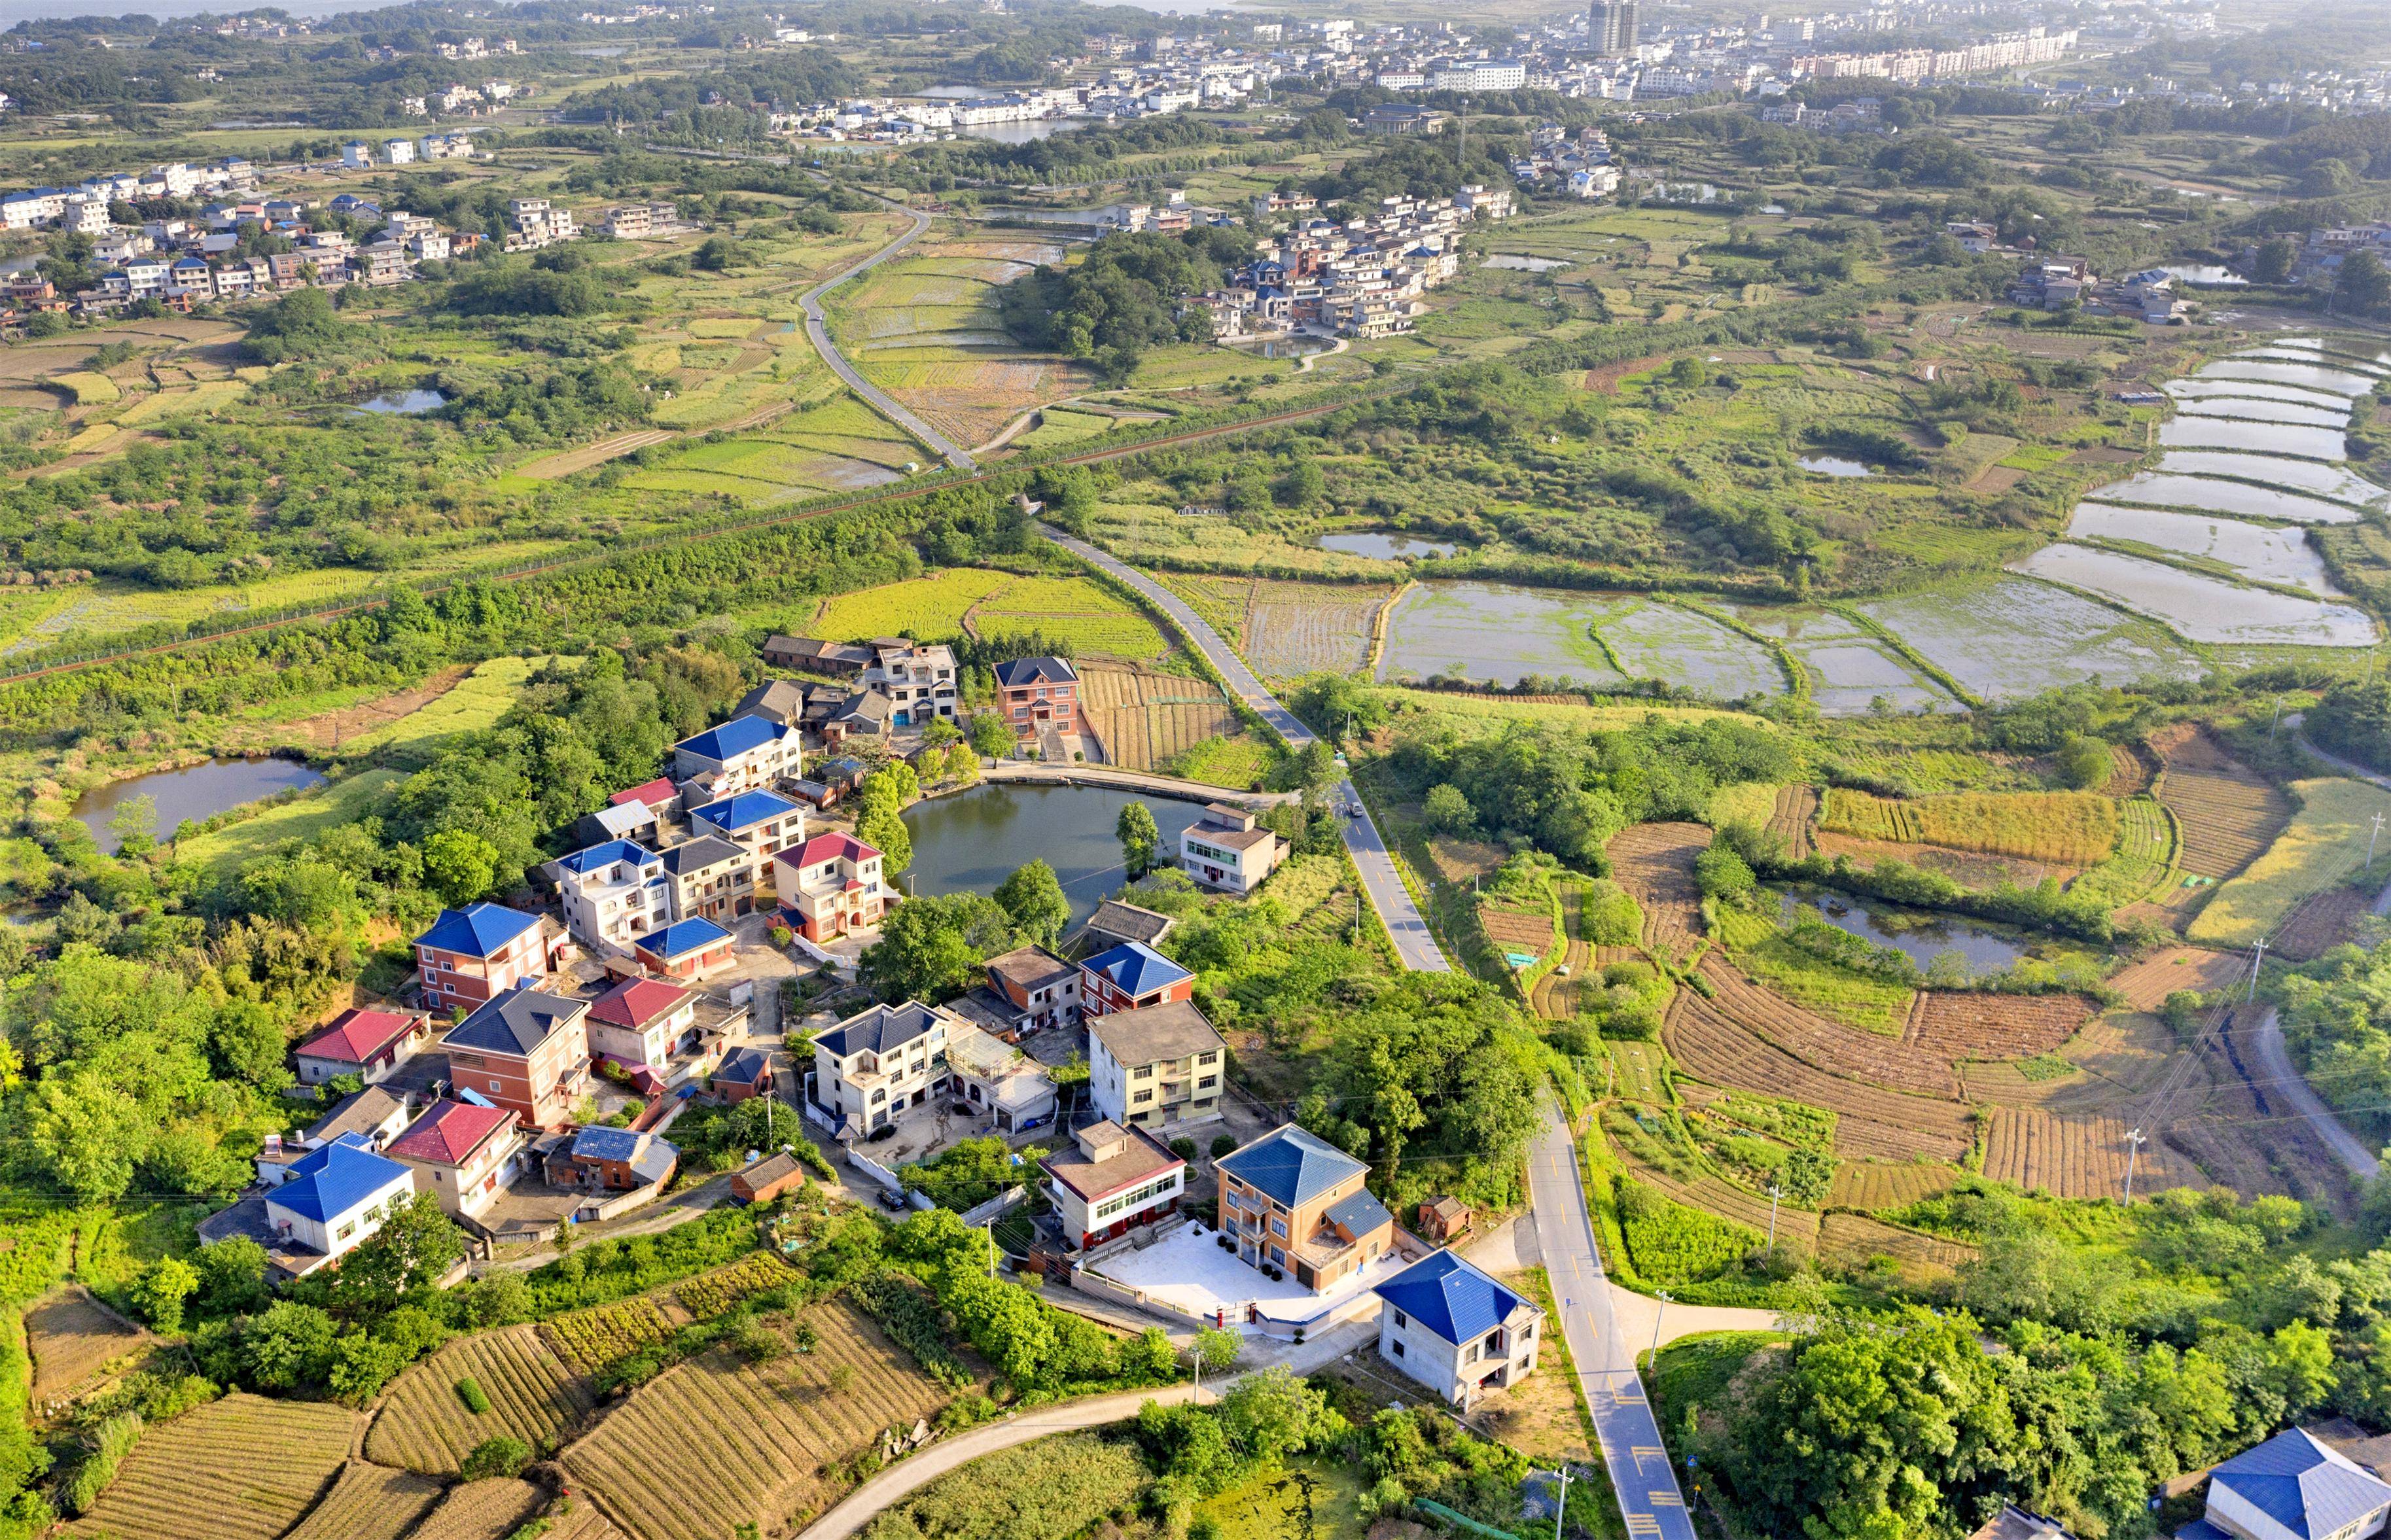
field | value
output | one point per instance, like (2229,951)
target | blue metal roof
(1289,1166)
(2301,1484)
(477,930)
(1136,968)
(1450,1297)
(325,1183)
(1357,1212)
(605,1143)
(736,737)
(744,811)
(582,862)
(682,937)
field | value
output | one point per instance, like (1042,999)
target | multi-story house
(332,1199)
(998,1081)
(527,1050)
(1296,1201)
(830,886)
(919,680)
(1110,1180)
(1129,977)
(1456,1330)
(877,1062)
(464,1154)
(709,878)
(760,825)
(473,955)
(612,892)
(639,1022)
(1162,1064)
(535,223)
(1038,693)
(746,754)
(356,155)
(1037,984)
(1225,848)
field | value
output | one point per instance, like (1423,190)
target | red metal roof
(449,1131)
(636,1002)
(357,1036)
(655,793)
(830,847)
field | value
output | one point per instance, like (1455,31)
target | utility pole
(1774,1192)
(2133,1153)
(2258,956)
(1658,1316)
(1560,1511)
(2372,835)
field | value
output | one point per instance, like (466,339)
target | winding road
(817,333)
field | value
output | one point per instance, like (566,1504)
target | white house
(612,892)
(356,154)
(337,1196)
(1456,1330)
(400,151)
(746,754)
(1002,1084)
(879,1061)
(2291,1487)
(1154,1065)
(1111,1179)
(920,681)
(638,1021)
(1226,849)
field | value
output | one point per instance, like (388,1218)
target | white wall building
(337,1196)
(1456,1330)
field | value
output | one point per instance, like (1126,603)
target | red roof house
(831,886)
(658,794)
(639,1021)
(468,1152)
(367,1042)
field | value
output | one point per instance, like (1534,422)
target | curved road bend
(817,332)
(1414,945)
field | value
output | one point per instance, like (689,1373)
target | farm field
(2199,607)
(771,1431)
(2227,814)
(1293,629)
(2073,1155)
(425,1425)
(2146,985)
(473,706)
(72,1339)
(2007,637)
(1655,863)
(975,601)
(1877,1185)
(589,1340)
(240,1469)
(1497,632)
(491,1509)
(1146,719)
(2077,828)
(1971,1025)
(370,1502)
(2323,845)
(1855,1241)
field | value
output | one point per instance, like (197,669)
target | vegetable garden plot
(1293,629)
(2074,1154)
(1854,1239)
(425,1425)
(2204,493)
(1876,1185)
(2075,828)
(2199,607)
(2009,636)
(2281,556)
(1872,1124)
(1852,1053)
(1957,1025)
(2145,985)
(589,1340)
(1144,719)
(2227,815)
(370,1502)
(240,1469)
(2275,471)
(72,1339)
(1790,819)
(489,1510)
(2321,922)
(1655,863)
(2258,438)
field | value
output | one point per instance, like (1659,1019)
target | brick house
(1296,1201)
(473,955)
(464,1155)
(527,1050)
(1037,984)
(1038,693)
(829,886)
(611,1159)
(812,655)
(766,1180)
(1155,1065)
(365,1043)
(1129,977)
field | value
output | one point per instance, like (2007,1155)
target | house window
(1143,1072)
(1399,1349)
(495,1087)
(1278,1227)
(346,1230)
(1401,1320)
(1142,1098)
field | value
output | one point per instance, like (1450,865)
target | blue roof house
(1291,1199)
(1456,1330)
(336,1196)
(742,754)
(1130,977)
(2291,1487)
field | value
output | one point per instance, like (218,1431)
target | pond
(1517,264)
(2206,273)
(1919,936)
(2261,438)
(971,841)
(194,791)
(1386,545)
(1834,465)
(404,404)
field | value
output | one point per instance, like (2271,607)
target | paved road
(2275,1065)
(1414,943)
(1638,1462)
(818,331)
(917,1470)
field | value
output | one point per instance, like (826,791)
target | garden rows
(1850,1053)
(2070,1154)
(771,1431)
(370,1502)
(589,1340)
(424,1425)
(1655,863)
(2072,829)
(2227,814)
(492,1509)
(1789,821)
(1874,1185)
(1855,1239)
(1296,629)
(1974,1025)
(1144,719)
(240,1469)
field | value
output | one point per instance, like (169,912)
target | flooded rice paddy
(2244,409)
(2261,438)
(2194,390)
(2268,553)
(2273,470)
(2007,637)
(2316,376)
(2212,496)
(2198,607)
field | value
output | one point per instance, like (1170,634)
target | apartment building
(1227,849)
(830,886)
(919,680)
(1295,1202)
(473,955)
(877,1062)
(1156,1066)
(746,754)
(1456,1330)
(535,222)
(1110,1180)
(1129,977)
(463,1154)
(527,1050)
(612,892)
(1038,693)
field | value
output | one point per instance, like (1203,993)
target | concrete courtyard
(1188,1270)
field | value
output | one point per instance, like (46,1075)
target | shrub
(469,1391)
(1183,1147)
(1222,1143)
(111,1440)
(1049,1490)
(495,1456)
(1611,915)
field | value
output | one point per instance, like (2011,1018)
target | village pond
(974,840)
(193,793)
(1920,937)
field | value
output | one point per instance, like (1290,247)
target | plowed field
(1655,862)
(1874,1123)
(370,1502)
(2074,829)
(1875,1185)
(2321,922)
(1848,1052)
(1970,1025)
(484,1511)
(1144,719)
(2147,983)
(534,1396)
(2074,1154)
(1293,629)
(1796,807)
(2227,812)
(72,1339)
(1854,1238)
(240,1469)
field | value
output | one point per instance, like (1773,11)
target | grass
(2324,844)
(302,818)
(90,389)
(1268,1507)
(1241,762)
(2077,828)
(475,705)
(1761,949)
(923,607)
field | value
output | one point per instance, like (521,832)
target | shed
(1443,1218)
(767,1179)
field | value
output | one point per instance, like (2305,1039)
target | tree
(414,1246)
(990,734)
(962,765)
(134,824)
(495,1458)
(459,864)
(1033,897)
(2364,289)
(2274,261)
(1272,1415)
(1304,485)
(289,1347)
(1141,840)
(1447,809)
(1724,875)
(884,829)
(1216,1350)
(162,1290)
(931,948)
(2083,761)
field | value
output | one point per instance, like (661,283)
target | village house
(1129,977)
(335,1197)
(633,820)
(877,1062)
(612,893)
(709,878)
(685,949)
(473,955)
(463,1154)
(1156,1065)
(918,680)
(1040,987)
(527,1050)
(368,1043)
(611,1159)
(1109,1180)
(761,1181)
(744,1074)
(998,1081)
(1115,922)
(1226,849)
(1443,1219)
(830,886)
(784,700)
(759,823)
(640,1023)
(1035,694)
(1456,1330)
(1293,1200)
(2295,1486)
(812,655)
(745,754)
(376,1115)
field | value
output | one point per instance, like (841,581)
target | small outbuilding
(764,1180)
